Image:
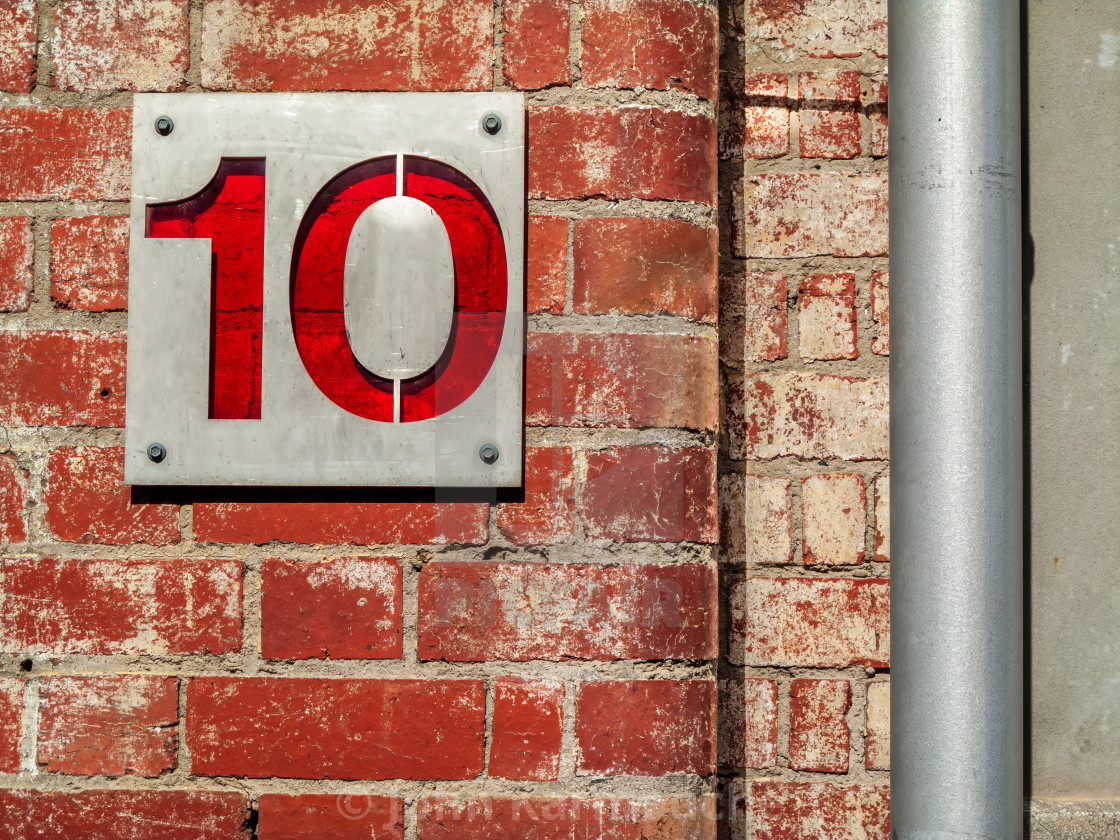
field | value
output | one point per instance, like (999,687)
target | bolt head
(164,126)
(491,123)
(488,453)
(156,452)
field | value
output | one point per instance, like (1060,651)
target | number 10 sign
(326,289)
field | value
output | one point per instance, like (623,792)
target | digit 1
(229,211)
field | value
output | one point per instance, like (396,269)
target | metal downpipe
(956,421)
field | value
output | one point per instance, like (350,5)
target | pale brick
(826,316)
(753,317)
(759,127)
(828,114)
(780,810)
(878,753)
(833,519)
(840,214)
(17,45)
(820,28)
(756,519)
(775,414)
(881,311)
(877,113)
(819,737)
(883,518)
(748,723)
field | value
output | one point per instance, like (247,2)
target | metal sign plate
(346,370)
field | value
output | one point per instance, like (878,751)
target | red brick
(536,43)
(522,611)
(646,728)
(833,519)
(120,45)
(11,722)
(546,273)
(826,316)
(877,113)
(325,816)
(62,378)
(345,608)
(655,44)
(815,622)
(131,814)
(650,493)
(123,724)
(818,731)
(65,153)
(756,519)
(819,28)
(633,151)
(492,818)
(841,214)
(13,498)
(547,516)
(89,263)
(528,726)
(287,45)
(17,253)
(17,46)
(756,116)
(774,414)
(127,606)
(828,114)
(748,732)
(782,810)
(883,519)
(881,312)
(307,728)
(627,380)
(753,317)
(88,502)
(634,266)
(878,753)
(341,523)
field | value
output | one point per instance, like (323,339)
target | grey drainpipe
(956,421)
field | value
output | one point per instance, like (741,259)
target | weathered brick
(748,730)
(752,317)
(651,493)
(527,729)
(635,266)
(65,153)
(87,501)
(132,814)
(89,263)
(763,107)
(344,608)
(881,311)
(341,523)
(781,810)
(17,253)
(13,499)
(535,44)
(628,380)
(127,606)
(546,273)
(819,28)
(115,725)
(778,621)
(325,816)
(828,114)
(138,45)
(656,44)
(826,316)
(11,722)
(756,519)
(877,113)
(547,516)
(833,519)
(17,46)
(646,728)
(819,737)
(536,818)
(437,45)
(878,751)
(811,214)
(307,728)
(522,611)
(883,518)
(774,414)
(633,151)
(62,378)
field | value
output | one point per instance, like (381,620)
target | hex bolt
(492,124)
(157,452)
(488,453)
(164,126)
